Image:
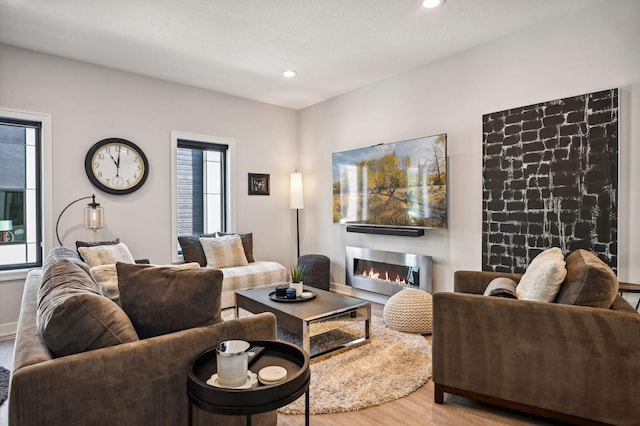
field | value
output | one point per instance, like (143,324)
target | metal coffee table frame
(299,318)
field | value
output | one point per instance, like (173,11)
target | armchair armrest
(476,282)
(577,360)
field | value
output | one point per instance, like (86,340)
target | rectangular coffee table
(326,312)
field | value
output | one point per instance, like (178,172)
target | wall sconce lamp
(297,201)
(93,215)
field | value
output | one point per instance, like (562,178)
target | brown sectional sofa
(578,364)
(140,382)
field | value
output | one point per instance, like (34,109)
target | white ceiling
(240,47)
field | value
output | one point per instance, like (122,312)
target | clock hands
(118,163)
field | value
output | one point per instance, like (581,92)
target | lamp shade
(93,217)
(297,198)
(6,225)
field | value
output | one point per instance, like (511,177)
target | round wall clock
(116,166)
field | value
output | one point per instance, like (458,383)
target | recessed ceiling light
(429,4)
(289,73)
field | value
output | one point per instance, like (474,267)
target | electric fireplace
(387,272)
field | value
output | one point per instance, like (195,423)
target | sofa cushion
(192,249)
(247,244)
(106,254)
(589,282)
(62,253)
(502,287)
(543,277)
(224,252)
(73,315)
(164,299)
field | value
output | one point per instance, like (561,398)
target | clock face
(116,166)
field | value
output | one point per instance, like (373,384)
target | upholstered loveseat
(578,364)
(80,359)
(235,259)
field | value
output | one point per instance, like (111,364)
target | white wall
(590,51)
(89,103)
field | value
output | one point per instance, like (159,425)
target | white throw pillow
(224,252)
(106,255)
(542,279)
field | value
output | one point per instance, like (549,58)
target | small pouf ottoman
(316,271)
(410,311)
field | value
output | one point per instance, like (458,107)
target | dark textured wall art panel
(550,179)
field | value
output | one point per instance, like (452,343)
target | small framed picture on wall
(258,184)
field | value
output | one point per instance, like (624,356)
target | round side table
(254,400)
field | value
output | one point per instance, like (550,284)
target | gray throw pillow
(502,287)
(164,299)
(73,316)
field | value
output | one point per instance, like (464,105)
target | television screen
(393,184)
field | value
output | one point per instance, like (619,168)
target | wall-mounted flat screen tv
(400,184)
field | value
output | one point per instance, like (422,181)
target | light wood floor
(417,408)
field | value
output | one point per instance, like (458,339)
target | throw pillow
(224,252)
(247,244)
(105,255)
(543,277)
(502,287)
(107,277)
(164,299)
(192,249)
(95,243)
(590,281)
(73,316)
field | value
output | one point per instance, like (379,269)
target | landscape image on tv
(395,184)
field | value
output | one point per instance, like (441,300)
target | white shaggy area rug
(388,367)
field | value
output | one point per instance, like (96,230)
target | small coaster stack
(272,375)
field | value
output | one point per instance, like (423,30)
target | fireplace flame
(373,275)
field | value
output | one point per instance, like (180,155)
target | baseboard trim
(8,331)
(360,294)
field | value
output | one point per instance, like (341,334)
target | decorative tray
(273,296)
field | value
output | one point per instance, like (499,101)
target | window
(20,200)
(201,195)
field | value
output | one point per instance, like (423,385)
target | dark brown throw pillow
(96,243)
(589,281)
(164,299)
(73,316)
(247,244)
(192,249)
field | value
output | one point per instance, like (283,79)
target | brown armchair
(574,363)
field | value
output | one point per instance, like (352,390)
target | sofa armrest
(569,359)
(476,282)
(136,383)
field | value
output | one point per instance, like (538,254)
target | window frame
(201,141)
(44,179)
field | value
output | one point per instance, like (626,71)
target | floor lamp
(93,215)
(297,201)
